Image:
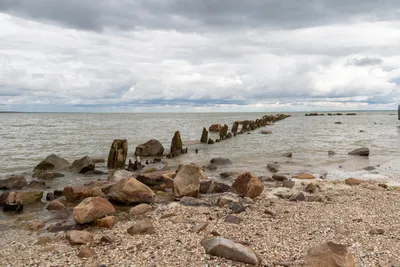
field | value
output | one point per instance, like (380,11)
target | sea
(27,138)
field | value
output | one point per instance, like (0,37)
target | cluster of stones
(247,125)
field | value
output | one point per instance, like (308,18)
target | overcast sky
(192,55)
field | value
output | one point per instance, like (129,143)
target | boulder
(247,185)
(305,176)
(77,193)
(279,177)
(352,181)
(164,179)
(329,255)
(187,180)
(220,161)
(273,167)
(48,175)
(152,148)
(140,209)
(76,237)
(83,165)
(131,190)
(86,252)
(297,197)
(24,198)
(106,222)
(204,136)
(119,175)
(141,227)
(363,151)
(55,205)
(288,183)
(229,249)
(117,155)
(13,182)
(51,162)
(215,128)
(176,144)
(92,208)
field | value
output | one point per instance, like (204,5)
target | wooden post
(204,136)
(118,154)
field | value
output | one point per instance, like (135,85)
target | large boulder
(51,162)
(25,197)
(187,180)
(329,255)
(176,144)
(215,128)
(131,190)
(161,179)
(363,151)
(92,208)
(229,249)
(119,175)
(83,165)
(77,193)
(152,148)
(247,185)
(13,182)
(76,237)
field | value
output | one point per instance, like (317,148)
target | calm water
(27,138)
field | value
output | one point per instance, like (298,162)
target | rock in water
(223,133)
(231,250)
(235,127)
(363,151)
(50,163)
(92,208)
(187,180)
(152,148)
(13,182)
(176,144)
(247,185)
(329,255)
(273,167)
(118,154)
(131,190)
(305,176)
(220,161)
(83,165)
(210,141)
(204,136)
(215,128)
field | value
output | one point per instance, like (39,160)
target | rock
(106,239)
(233,219)
(140,209)
(187,181)
(288,154)
(266,132)
(377,231)
(279,177)
(273,167)
(315,199)
(228,175)
(83,165)
(369,168)
(198,227)
(363,151)
(215,128)
(191,201)
(119,175)
(352,181)
(385,186)
(176,144)
(51,162)
(117,155)
(331,153)
(205,186)
(35,225)
(106,222)
(42,241)
(247,201)
(223,133)
(24,198)
(220,161)
(131,191)
(77,193)
(152,148)
(311,188)
(329,255)
(218,187)
(231,250)
(210,141)
(305,176)
(247,185)
(235,127)
(297,197)
(236,207)
(76,237)
(204,136)
(288,183)
(92,208)
(35,184)
(137,165)
(224,200)
(141,227)
(86,252)
(48,175)
(338,122)
(55,205)
(162,179)
(13,182)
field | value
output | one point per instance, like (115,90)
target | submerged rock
(13,182)
(363,151)
(273,167)
(220,161)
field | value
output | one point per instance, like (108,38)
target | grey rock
(236,207)
(13,182)
(363,151)
(273,167)
(288,183)
(233,219)
(220,161)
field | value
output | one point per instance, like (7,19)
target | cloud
(199,55)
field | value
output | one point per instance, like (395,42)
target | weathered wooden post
(176,144)
(398,113)
(118,154)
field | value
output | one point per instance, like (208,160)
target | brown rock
(163,179)
(131,191)
(311,188)
(233,219)
(176,144)
(142,227)
(25,197)
(247,185)
(187,180)
(305,176)
(152,148)
(215,128)
(92,208)
(140,209)
(297,197)
(235,127)
(279,177)
(49,163)
(377,231)
(13,182)
(77,193)
(106,239)
(205,186)
(76,237)
(86,252)
(198,227)
(118,154)
(106,222)
(352,181)
(329,255)
(83,165)
(288,183)
(55,205)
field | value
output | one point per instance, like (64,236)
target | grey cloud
(195,15)
(365,61)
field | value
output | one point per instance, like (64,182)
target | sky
(199,56)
